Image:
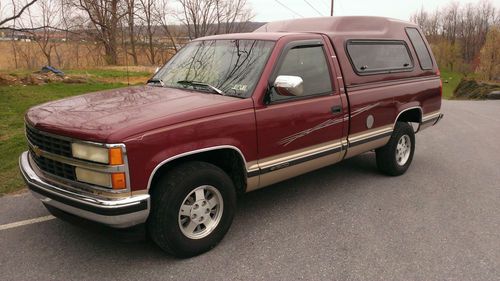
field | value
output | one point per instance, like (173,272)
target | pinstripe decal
(330,122)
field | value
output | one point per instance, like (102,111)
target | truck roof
(271,36)
(366,25)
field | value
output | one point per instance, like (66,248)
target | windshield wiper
(156,81)
(197,83)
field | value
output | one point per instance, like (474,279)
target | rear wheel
(192,209)
(395,157)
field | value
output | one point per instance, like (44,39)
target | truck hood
(113,115)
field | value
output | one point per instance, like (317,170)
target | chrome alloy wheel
(200,212)
(403,150)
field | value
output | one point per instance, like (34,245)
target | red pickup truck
(230,114)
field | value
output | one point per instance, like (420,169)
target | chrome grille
(52,155)
(53,145)
(54,167)
(48,143)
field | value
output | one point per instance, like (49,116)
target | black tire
(170,192)
(387,161)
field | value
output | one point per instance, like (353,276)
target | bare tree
(458,30)
(474,25)
(105,16)
(232,16)
(198,16)
(43,25)
(451,20)
(205,17)
(18,7)
(163,15)
(429,22)
(131,11)
(489,67)
(147,15)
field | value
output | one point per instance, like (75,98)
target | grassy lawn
(14,101)
(97,72)
(108,73)
(450,82)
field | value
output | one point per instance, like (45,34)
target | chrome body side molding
(429,120)
(407,109)
(172,158)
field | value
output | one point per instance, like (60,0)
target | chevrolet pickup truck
(229,114)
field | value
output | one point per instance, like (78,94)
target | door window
(308,63)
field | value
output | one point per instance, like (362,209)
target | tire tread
(162,193)
(386,160)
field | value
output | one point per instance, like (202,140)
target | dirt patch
(40,79)
(7,79)
(135,68)
(131,80)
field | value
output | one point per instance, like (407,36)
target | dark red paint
(158,123)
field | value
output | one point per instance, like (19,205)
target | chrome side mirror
(287,85)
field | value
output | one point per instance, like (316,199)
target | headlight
(92,177)
(89,152)
(110,156)
(114,180)
(103,155)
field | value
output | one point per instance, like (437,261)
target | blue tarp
(56,71)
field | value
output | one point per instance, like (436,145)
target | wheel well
(229,160)
(411,115)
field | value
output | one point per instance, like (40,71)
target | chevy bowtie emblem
(37,151)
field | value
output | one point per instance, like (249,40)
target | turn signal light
(118,180)
(115,156)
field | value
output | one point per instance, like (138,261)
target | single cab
(229,114)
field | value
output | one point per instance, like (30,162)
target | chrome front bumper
(118,213)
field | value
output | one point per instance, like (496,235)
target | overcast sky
(271,10)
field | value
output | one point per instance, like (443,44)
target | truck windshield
(228,67)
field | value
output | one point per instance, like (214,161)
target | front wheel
(395,157)
(192,209)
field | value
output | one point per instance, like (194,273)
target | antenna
(126,65)
(126,55)
(331,9)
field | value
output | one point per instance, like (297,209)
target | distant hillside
(253,25)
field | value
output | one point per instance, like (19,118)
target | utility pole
(331,10)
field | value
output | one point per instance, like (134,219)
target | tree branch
(32,29)
(2,22)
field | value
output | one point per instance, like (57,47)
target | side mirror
(287,85)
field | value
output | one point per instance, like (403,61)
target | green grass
(107,73)
(14,101)
(95,73)
(450,82)
(18,72)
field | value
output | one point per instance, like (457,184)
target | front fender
(151,150)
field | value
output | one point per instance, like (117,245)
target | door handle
(336,109)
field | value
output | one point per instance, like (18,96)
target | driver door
(301,131)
